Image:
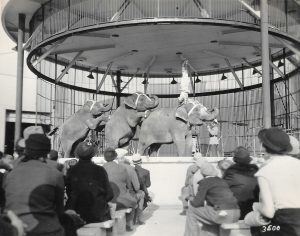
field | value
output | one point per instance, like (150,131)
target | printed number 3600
(270,228)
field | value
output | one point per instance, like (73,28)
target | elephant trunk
(106,108)
(212,114)
(153,103)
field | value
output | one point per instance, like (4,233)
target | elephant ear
(181,113)
(130,101)
(87,105)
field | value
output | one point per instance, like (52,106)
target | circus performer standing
(213,129)
(184,84)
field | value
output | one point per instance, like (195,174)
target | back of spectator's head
(241,155)
(121,154)
(208,169)
(295,146)
(37,145)
(53,155)
(275,140)
(110,154)
(225,164)
(197,156)
(201,161)
(85,151)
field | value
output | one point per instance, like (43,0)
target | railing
(58,16)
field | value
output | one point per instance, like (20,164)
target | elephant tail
(53,131)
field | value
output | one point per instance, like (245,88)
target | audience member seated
(295,147)
(87,186)
(214,204)
(187,189)
(241,180)
(135,185)
(11,225)
(52,160)
(144,177)
(120,183)
(34,191)
(197,177)
(278,181)
(20,144)
(222,166)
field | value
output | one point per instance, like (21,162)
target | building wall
(8,74)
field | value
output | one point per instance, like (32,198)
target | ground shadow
(147,214)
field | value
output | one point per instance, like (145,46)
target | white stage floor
(160,221)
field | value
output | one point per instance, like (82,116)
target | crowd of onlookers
(264,195)
(40,197)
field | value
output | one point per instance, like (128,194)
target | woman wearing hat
(213,205)
(279,186)
(35,191)
(241,180)
(88,188)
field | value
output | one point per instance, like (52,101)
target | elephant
(121,127)
(173,125)
(76,128)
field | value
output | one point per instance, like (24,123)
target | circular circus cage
(107,49)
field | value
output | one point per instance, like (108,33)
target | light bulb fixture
(254,72)
(197,80)
(173,81)
(145,81)
(90,76)
(224,77)
(64,69)
(280,63)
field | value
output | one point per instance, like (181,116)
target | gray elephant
(121,127)
(173,125)
(76,128)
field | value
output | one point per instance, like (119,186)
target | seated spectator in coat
(144,177)
(135,185)
(240,178)
(121,184)
(194,182)
(88,187)
(278,181)
(213,205)
(20,144)
(11,225)
(187,189)
(35,191)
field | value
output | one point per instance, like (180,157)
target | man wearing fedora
(213,131)
(135,189)
(120,182)
(144,177)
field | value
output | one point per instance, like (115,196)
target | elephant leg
(188,145)
(142,146)
(180,145)
(154,148)
(67,148)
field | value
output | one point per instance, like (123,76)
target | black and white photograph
(149,117)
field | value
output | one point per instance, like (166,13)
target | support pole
(20,67)
(118,88)
(265,64)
